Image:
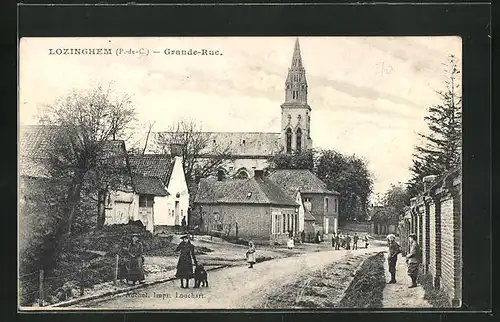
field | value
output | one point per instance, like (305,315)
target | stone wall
(435,217)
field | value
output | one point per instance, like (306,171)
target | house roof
(35,140)
(308,216)
(242,191)
(152,165)
(149,185)
(301,179)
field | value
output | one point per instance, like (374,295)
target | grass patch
(437,298)
(366,289)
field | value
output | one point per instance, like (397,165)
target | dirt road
(229,288)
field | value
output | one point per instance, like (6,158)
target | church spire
(296,83)
(297,59)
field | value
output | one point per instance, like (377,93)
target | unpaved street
(230,288)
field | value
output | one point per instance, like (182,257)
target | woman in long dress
(186,259)
(250,254)
(135,269)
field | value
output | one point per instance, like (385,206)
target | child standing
(250,254)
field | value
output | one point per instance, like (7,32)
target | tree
(201,154)
(79,153)
(396,198)
(295,160)
(442,146)
(349,176)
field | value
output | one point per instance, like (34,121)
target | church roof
(241,144)
(242,191)
(301,179)
(152,165)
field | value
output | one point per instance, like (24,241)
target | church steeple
(295,112)
(296,83)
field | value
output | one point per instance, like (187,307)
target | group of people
(344,241)
(413,258)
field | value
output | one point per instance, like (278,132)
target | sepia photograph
(239,173)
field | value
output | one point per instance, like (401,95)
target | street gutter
(121,291)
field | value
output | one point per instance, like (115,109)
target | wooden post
(116,270)
(40,286)
(82,278)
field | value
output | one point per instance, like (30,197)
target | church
(250,151)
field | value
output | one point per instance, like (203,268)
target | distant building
(252,209)
(318,200)
(250,151)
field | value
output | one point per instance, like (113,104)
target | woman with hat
(135,251)
(392,257)
(413,260)
(186,259)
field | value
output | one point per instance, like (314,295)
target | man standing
(413,260)
(333,240)
(347,242)
(337,241)
(355,241)
(183,224)
(392,257)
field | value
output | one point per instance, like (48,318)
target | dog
(200,276)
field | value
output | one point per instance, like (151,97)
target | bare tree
(79,153)
(201,154)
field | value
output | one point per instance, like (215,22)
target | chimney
(220,175)
(428,181)
(259,174)
(176,149)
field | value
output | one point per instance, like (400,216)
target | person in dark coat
(366,241)
(333,240)
(303,236)
(392,256)
(186,259)
(355,241)
(183,223)
(347,242)
(337,241)
(413,260)
(135,251)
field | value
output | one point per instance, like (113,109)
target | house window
(299,140)
(326,204)
(146,200)
(289,141)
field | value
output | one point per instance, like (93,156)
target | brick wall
(440,233)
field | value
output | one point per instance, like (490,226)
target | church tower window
(289,141)
(299,140)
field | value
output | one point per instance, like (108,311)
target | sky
(368,95)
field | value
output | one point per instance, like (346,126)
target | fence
(435,217)
(74,276)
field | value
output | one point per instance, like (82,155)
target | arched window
(288,140)
(299,140)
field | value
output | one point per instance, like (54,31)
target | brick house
(322,203)
(251,209)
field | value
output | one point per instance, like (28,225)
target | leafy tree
(349,176)
(78,152)
(442,146)
(295,160)
(395,199)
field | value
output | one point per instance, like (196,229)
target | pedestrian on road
(186,259)
(333,240)
(392,257)
(250,254)
(135,267)
(413,260)
(355,241)
(318,237)
(183,224)
(347,242)
(337,242)
(303,236)
(366,241)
